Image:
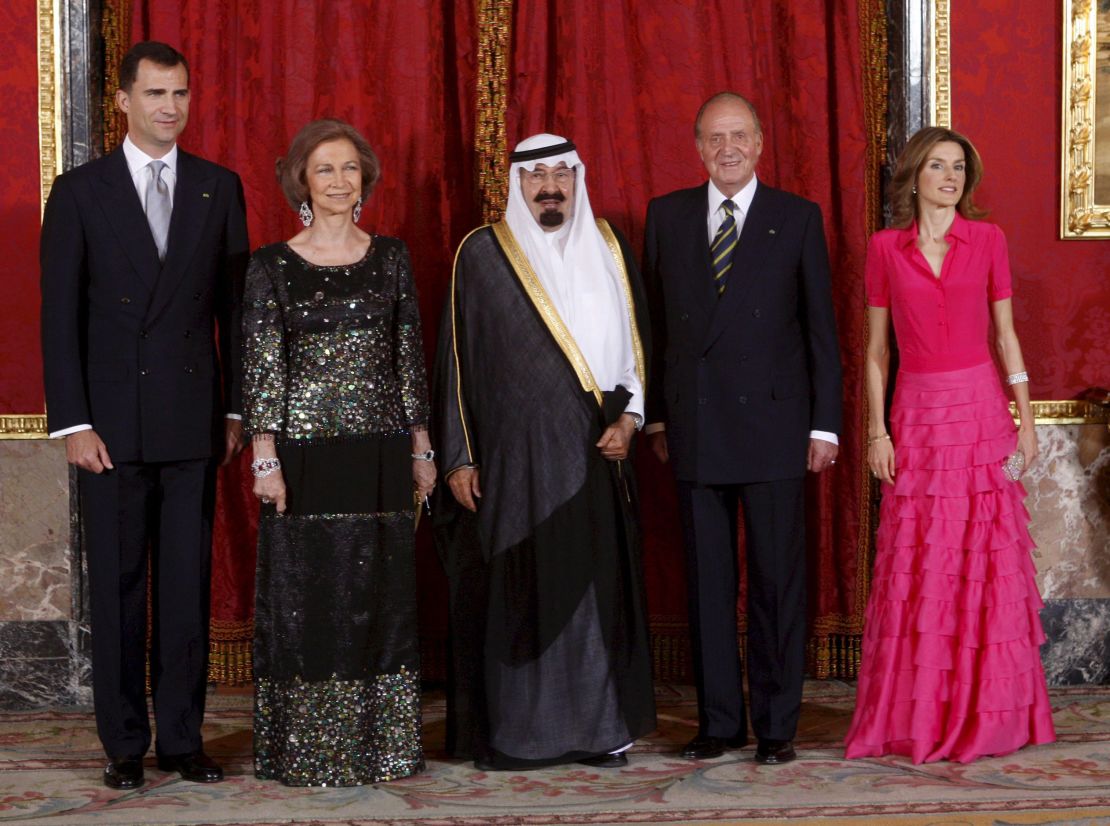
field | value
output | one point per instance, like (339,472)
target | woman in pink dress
(951,663)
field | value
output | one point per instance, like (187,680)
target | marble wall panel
(1078,647)
(34,541)
(1069,502)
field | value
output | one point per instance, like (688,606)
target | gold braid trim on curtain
(495,31)
(115,28)
(230,652)
(834,649)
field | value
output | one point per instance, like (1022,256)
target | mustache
(549,196)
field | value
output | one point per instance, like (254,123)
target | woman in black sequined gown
(335,390)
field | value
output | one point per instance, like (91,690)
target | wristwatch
(426,456)
(638,419)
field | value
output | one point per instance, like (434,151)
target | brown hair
(160,53)
(903,184)
(291,168)
(726,95)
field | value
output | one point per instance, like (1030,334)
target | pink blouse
(940,323)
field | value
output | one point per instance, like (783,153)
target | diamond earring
(914,190)
(357,210)
(305,213)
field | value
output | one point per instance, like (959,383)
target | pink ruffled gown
(951,666)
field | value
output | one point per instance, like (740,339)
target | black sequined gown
(334,367)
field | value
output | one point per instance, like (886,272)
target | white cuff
(824,436)
(57,434)
(234,416)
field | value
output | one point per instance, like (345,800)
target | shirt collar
(958,230)
(742,199)
(137,158)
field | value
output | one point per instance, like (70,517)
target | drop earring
(357,212)
(914,190)
(305,213)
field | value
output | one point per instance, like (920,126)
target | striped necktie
(724,242)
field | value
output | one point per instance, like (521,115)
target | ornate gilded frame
(1081,147)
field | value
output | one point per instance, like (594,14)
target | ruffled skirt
(951,666)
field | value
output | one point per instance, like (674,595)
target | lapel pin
(771,231)
(205,195)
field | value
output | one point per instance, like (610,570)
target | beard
(550,218)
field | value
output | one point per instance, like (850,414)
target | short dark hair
(161,53)
(903,183)
(291,168)
(726,95)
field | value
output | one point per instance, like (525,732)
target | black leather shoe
(125,773)
(773,752)
(706,747)
(612,760)
(196,767)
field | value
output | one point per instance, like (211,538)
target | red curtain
(622,79)
(403,74)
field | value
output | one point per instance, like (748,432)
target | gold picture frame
(1085,125)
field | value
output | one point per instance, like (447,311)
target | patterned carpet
(50,764)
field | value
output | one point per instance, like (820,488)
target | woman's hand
(880,458)
(423,477)
(271,488)
(1027,444)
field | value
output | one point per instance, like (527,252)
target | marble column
(1069,502)
(43,645)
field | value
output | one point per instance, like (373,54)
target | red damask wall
(20,361)
(1006,96)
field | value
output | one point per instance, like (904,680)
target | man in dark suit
(745,397)
(143,254)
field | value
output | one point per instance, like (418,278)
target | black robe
(550,652)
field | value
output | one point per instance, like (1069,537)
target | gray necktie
(158,207)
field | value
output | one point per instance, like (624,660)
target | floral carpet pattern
(50,764)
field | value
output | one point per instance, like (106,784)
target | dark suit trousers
(166,508)
(774,526)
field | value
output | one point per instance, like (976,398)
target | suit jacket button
(757,313)
(684,317)
(703,401)
(196,296)
(188,369)
(188,333)
(142,333)
(142,372)
(743,400)
(125,300)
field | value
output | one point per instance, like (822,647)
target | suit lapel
(756,240)
(192,198)
(124,212)
(693,229)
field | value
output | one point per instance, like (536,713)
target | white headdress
(576,267)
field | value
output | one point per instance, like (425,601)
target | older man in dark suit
(745,397)
(143,252)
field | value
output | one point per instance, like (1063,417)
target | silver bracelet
(1017,378)
(262,468)
(427,456)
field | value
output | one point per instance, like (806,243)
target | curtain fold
(442,88)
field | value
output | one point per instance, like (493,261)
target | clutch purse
(1014,465)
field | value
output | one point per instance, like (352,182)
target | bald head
(726,98)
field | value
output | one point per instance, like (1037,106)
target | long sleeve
(229,300)
(265,360)
(654,407)
(63,268)
(820,327)
(454,442)
(408,346)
